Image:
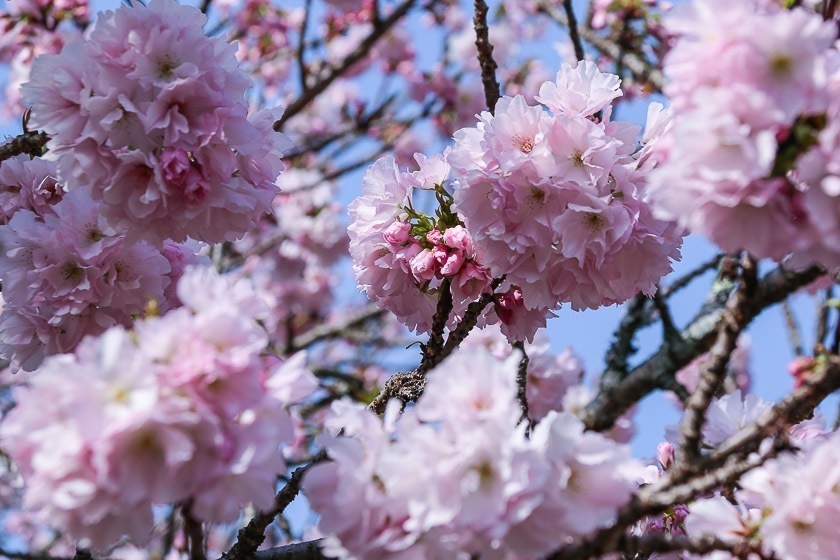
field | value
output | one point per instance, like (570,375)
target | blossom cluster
(789,504)
(148,115)
(67,274)
(184,407)
(556,200)
(405,259)
(750,159)
(552,201)
(478,484)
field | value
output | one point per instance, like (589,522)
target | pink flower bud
(441,253)
(434,236)
(454,262)
(665,454)
(680,512)
(397,233)
(459,238)
(423,265)
(506,304)
(800,368)
(656,525)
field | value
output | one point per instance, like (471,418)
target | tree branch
(309,550)
(522,380)
(324,332)
(640,68)
(612,401)
(732,322)
(571,24)
(336,70)
(250,537)
(492,90)
(307,10)
(31,143)
(194,532)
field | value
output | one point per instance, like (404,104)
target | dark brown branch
(732,323)
(658,497)
(796,407)
(30,555)
(690,276)
(407,386)
(492,90)
(574,34)
(335,71)
(670,335)
(622,345)
(435,345)
(31,143)
(250,537)
(194,532)
(307,9)
(470,319)
(822,317)
(522,380)
(612,401)
(82,554)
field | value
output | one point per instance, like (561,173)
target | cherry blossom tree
(192,188)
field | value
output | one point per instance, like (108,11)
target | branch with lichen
(31,143)
(732,323)
(616,396)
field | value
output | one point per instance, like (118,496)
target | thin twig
(793,328)
(641,69)
(169,536)
(250,537)
(194,532)
(307,9)
(335,71)
(732,322)
(572,25)
(822,316)
(323,332)
(690,276)
(522,381)
(492,90)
